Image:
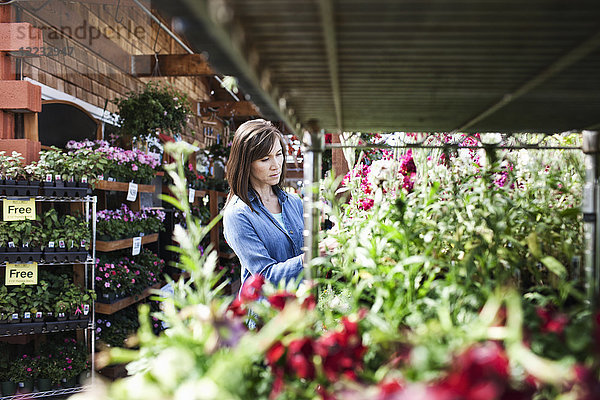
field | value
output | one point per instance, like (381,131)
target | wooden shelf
(104,308)
(122,186)
(123,243)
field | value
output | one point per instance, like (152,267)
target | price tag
(39,315)
(84,179)
(17,274)
(11,244)
(86,309)
(192,194)
(137,246)
(61,244)
(132,191)
(51,245)
(111,179)
(48,177)
(57,178)
(19,210)
(27,315)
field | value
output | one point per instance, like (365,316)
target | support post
(590,208)
(313,143)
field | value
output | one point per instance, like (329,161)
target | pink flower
(134,167)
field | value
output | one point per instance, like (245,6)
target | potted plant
(8,387)
(61,310)
(25,368)
(158,108)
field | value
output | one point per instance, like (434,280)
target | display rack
(38,395)
(87,325)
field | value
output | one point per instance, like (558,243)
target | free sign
(17,274)
(18,210)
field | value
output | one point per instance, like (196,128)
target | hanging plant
(157,109)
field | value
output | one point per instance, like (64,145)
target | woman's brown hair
(253,140)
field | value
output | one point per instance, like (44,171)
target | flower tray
(60,326)
(20,254)
(62,256)
(65,189)
(29,328)
(19,188)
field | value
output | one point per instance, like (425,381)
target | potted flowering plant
(158,108)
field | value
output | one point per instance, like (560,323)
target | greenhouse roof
(386,65)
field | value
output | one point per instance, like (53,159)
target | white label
(26,244)
(137,245)
(27,315)
(82,243)
(11,244)
(61,244)
(71,179)
(191,196)
(86,309)
(48,177)
(15,316)
(84,179)
(100,177)
(72,243)
(111,179)
(57,178)
(132,191)
(51,245)
(39,314)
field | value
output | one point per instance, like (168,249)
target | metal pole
(590,207)
(313,144)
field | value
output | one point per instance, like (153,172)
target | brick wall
(95,43)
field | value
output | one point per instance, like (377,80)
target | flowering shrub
(124,223)
(123,165)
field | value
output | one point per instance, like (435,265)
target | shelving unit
(86,280)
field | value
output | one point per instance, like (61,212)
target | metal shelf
(87,199)
(45,264)
(37,395)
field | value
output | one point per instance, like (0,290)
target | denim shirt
(262,245)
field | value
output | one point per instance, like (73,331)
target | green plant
(156,109)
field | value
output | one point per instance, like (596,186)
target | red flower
(341,352)
(274,353)
(309,303)
(481,372)
(279,299)
(552,322)
(389,389)
(252,288)
(237,307)
(299,358)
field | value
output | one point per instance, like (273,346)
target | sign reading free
(18,210)
(17,274)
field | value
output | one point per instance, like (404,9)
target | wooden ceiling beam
(328,26)
(227,109)
(170,65)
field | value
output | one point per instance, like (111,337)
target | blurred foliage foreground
(464,284)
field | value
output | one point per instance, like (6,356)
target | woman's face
(267,170)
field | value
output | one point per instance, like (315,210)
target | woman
(262,223)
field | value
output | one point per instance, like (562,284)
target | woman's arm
(253,254)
